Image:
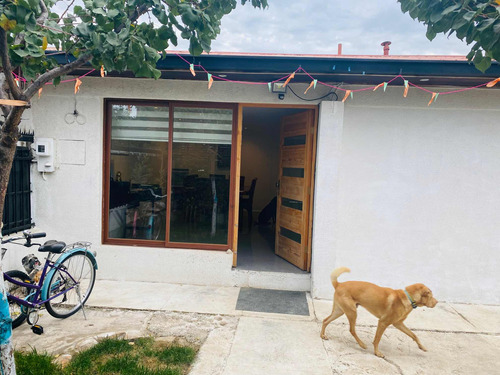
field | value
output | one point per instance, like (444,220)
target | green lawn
(143,356)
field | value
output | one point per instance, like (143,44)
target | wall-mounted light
(279,89)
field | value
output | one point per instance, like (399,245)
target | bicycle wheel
(17,311)
(78,287)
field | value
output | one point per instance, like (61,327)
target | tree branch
(3,95)
(45,13)
(62,15)
(7,68)
(54,73)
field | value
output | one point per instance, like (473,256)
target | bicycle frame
(39,292)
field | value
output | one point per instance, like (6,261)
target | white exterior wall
(416,198)
(67,204)
(404,193)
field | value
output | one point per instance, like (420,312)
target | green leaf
(451,8)
(483,25)
(112,13)
(195,48)
(431,34)
(483,64)
(469,16)
(112,38)
(21,52)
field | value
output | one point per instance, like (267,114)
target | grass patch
(143,356)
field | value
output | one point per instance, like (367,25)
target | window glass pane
(138,172)
(201,164)
(293,172)
(295,140)
(290,234)
(292,203)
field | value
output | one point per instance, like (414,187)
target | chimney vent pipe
(339,49)
(386,47)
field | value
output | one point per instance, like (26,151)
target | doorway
(270,234)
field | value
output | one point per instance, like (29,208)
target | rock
(63,359)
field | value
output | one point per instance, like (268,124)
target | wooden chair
(246,202)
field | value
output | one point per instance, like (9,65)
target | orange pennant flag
(210,81)
(78,83)
(311,85)
(102,71)
(290,77)
(347,93)
(191,69)
(432,99)
(493,83)
(379,85)
(407,87)
(40,92)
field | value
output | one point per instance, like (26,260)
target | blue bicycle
(62,285)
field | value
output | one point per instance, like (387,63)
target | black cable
(312,100)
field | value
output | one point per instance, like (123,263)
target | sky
(317,26)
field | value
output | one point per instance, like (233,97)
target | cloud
(317,26)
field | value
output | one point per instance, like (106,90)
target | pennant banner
(434,98)
(407,86)
(493,83)
(210,80)
(78,83)
(347,93)
(311,85)
(290,77)
(191,69)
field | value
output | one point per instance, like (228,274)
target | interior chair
(246,202)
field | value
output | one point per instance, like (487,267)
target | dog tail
(336,273)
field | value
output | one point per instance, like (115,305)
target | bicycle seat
(52,246)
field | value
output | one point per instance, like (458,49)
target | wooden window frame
(108,103)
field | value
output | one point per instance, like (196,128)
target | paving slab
(443,317)
(448,353)
(278,347)
(163,296)
(485,318)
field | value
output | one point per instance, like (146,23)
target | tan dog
(390,306)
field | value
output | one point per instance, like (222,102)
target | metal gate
(17,208)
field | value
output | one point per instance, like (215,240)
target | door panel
(292,229)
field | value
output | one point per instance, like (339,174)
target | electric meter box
(44,149)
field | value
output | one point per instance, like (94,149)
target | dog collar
(413,304)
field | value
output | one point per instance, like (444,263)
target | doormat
(272,301)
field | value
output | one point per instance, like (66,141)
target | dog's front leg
(406,330)
(380,331)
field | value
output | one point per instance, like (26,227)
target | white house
(398,190)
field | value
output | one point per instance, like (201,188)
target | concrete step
(272,280)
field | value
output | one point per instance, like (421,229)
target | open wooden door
(295,178)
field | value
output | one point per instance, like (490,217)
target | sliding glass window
(168,174)
(201,161)
(138,171)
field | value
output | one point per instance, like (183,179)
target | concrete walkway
(461,339)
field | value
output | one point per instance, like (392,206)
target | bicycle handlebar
(35,235)
(27,236)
